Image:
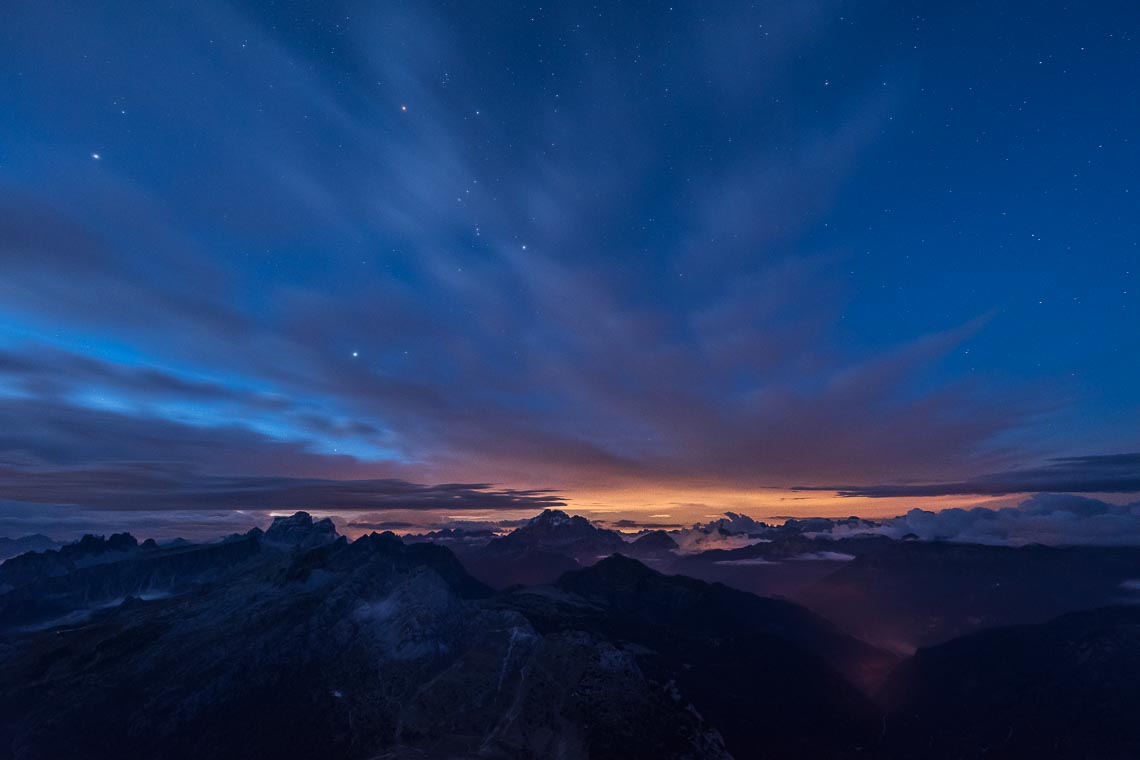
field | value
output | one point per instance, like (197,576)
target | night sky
(647,256)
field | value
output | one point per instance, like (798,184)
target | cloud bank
(1054,519)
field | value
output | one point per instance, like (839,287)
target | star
(403,108)
(355,354)
(96,156)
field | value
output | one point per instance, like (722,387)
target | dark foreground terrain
(294,642)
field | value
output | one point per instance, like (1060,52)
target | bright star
(96,156)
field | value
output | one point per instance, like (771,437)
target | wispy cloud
(524,278)
(1111,473)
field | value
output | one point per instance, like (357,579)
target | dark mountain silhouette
(37,542)
(1067,688)
(68,585)
(628,590)
(540,550)
(89,550)
(556,532)
(765,672)
(656,544)
(294,642)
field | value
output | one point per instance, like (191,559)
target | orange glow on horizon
(668,508)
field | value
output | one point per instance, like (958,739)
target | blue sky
(654,246)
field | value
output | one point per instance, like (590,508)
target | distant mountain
(452,537)
(656,544)
(916,593)
(540,550)
(37,542)
(555,531)
(68,585)
(1068,688)
(300,530)
(89,550)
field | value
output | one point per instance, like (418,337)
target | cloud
(733,531)
(745,562)
(381,525)
(823,557)
(638,525)
(1113,473)
(67,523)
(1047,518)
(154,487)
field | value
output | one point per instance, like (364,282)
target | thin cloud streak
(1111,473)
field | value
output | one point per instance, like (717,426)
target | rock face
(301,531)
(1067,688)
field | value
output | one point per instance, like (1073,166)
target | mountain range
(559,639)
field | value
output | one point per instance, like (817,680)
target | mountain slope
(1067,688)
(765,672)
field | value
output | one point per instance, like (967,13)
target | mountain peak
(616,574)
(118,542)
(655,541)
(299,529)
(555,517)
(555,530)
(620,565)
